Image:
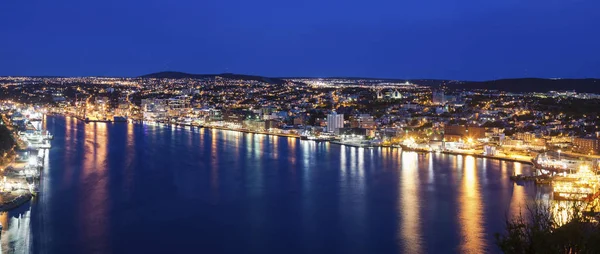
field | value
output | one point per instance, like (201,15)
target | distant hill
(518,85)
(532,85)
(423,82)
(173,75)
(182,75)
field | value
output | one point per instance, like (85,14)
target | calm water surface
(133,188)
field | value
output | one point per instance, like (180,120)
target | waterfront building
(453,133)
(586,145)
(561,139)
(178,106)
(154,109)
(525,136)
(490,150)
(215,115)
(234,119)
(335,121)
(363,121)
(353,132)
(255,125)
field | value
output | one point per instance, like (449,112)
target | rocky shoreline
(15,202)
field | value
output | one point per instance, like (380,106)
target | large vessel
(37,140)
(319,138)
(581,186)
(119,119)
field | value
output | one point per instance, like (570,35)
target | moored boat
(119,119)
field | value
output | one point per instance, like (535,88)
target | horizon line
(293,77)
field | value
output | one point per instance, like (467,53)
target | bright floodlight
(32,161)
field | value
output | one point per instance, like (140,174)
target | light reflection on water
(471,210)
(214,169)
(267,194)
(410,229)
(130,158)
(93,210)
(17,238)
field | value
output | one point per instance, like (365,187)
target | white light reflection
(353,161)
(518,168)
(16,234)
(409,204)
(361,164)
(471,210)
(431,178)
(343,166)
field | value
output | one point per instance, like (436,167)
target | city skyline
(232,126)
(464,40)
(222,148)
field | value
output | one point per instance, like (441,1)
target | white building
(388,94)
(438,98)
(335,121)
(154,109)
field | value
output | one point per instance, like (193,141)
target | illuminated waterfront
(120,187)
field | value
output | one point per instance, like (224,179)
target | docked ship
(119,119)
(35,117)
(320,138)
(47,136)
(572,178)
(581,186)
(36,139)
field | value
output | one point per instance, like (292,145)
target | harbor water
(139,188)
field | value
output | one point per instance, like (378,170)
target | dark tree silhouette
(6,139)
(544,230)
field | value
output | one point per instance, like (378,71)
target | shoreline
(16,199)
(341,143)
(242,131)
(365,146)
(421,151)
(189,125)
(229,129)
(16,202)
(490,157)
(501,158)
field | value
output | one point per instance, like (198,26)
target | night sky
(445,39)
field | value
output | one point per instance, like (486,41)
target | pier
(22,173)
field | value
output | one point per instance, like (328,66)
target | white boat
(33,189)
(47,136)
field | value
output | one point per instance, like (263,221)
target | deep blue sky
(449,39)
